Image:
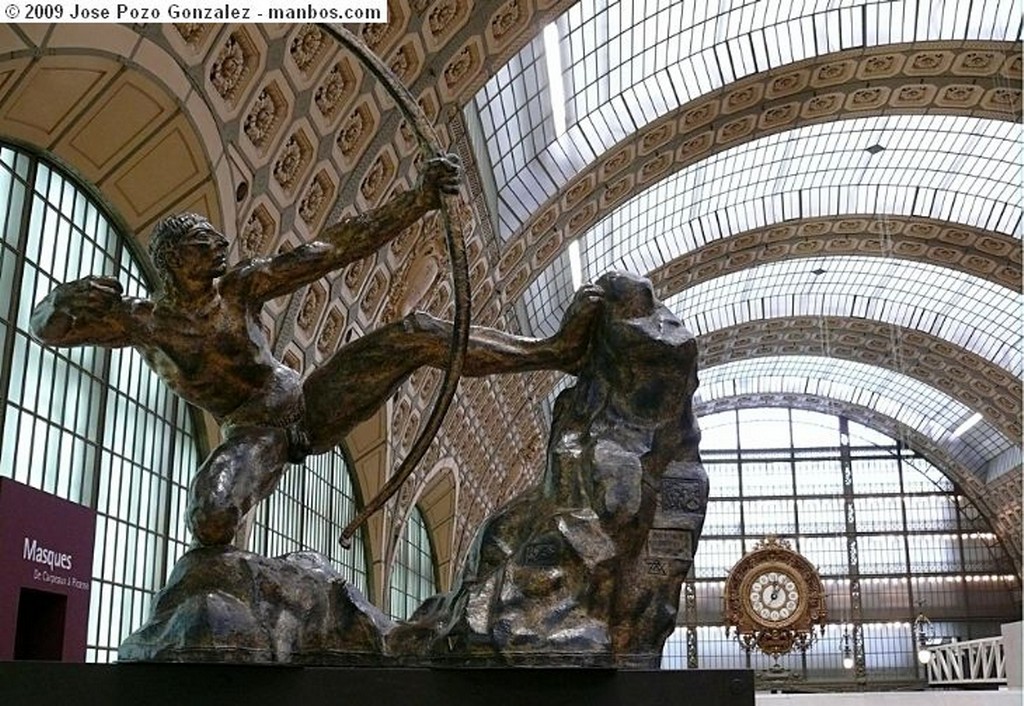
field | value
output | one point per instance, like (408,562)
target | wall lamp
(922,633)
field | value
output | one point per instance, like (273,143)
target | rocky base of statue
(223,604)
(586,568)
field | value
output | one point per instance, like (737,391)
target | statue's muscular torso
(218,358)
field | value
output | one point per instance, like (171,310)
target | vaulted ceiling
(826,193)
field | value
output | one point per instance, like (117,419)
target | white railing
(970,662)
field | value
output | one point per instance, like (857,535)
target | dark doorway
(40,631)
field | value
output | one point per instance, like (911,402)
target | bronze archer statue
(201,334)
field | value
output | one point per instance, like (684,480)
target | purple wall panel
(46,544)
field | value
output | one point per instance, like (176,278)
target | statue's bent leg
(359,378)
(353,383)
(236,476)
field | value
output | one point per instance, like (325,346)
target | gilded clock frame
(774,637)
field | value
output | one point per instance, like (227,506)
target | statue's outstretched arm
(355,237)
(89,311)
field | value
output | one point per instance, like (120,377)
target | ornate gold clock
(774,598)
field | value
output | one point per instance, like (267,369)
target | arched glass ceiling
(628,62)
(952,168)
(919,406)
(816,429)
(965,310)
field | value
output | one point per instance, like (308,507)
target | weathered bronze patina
(586,567)
(201,334)
(582,570)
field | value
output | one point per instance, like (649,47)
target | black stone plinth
(43,684)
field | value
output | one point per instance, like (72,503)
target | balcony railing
(968,663)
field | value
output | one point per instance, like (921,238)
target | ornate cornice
(991,256)
(960,374)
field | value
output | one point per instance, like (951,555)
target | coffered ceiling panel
(168,168)
(122,118)
(53,92)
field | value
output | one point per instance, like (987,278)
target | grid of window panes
(952,168)
(949,167)
(918,405)
(968,311)
(307,512)
(92,426)
(413,573)
(511,117)
(920,545)
(626,64)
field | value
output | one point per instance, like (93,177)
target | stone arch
(438,500)
(995,257)
(119,111)
(368,448)
(962,375)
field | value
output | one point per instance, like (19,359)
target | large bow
(431,147)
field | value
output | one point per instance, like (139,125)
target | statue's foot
(574,335)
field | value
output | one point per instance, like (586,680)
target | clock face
(774,595)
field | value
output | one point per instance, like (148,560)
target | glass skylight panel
(922,172)
(832,174)
(626,63)
(545,312)
(968,311)
(921,407)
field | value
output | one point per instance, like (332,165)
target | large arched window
(99,428)
(92,426)
(413,573)
(861,507)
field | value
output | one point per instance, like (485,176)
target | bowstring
(430,147)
